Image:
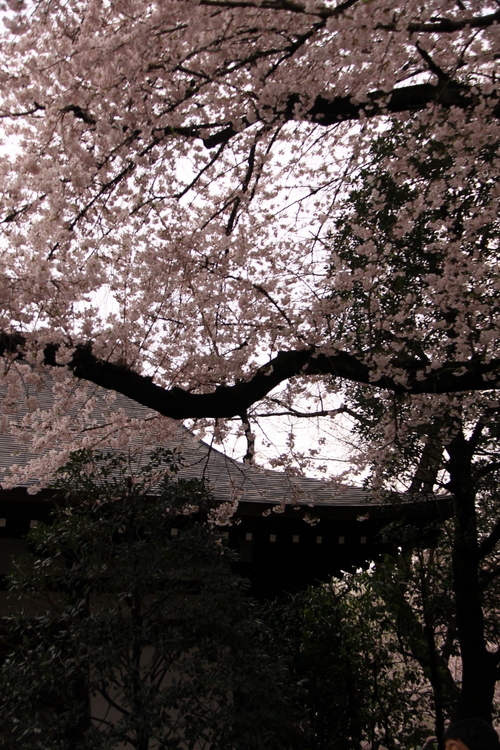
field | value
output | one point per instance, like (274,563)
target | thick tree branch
(326,111)
(428,465)
(329,111)
(436,26)
(233,400)
(450,25)
(341,108)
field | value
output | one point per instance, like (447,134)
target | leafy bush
(134,632)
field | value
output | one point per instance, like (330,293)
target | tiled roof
(227,478)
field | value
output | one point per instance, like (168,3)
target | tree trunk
(479,666)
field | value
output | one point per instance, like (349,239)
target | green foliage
(405,244)
(394,242)
(133,632)
(415,254)
(358,686)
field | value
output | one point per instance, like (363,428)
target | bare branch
(249,456)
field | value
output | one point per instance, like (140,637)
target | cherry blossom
(232,210)
(172,174)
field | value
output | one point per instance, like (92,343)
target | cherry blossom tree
(178,224)
(170,170)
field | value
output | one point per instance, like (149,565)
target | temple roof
(277,550)
(227,477)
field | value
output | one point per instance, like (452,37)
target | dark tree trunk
(479,666)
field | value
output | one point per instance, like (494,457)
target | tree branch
(428,465)
(230,401)
(435,26)
(249,456)
(488,544)
(341,108)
